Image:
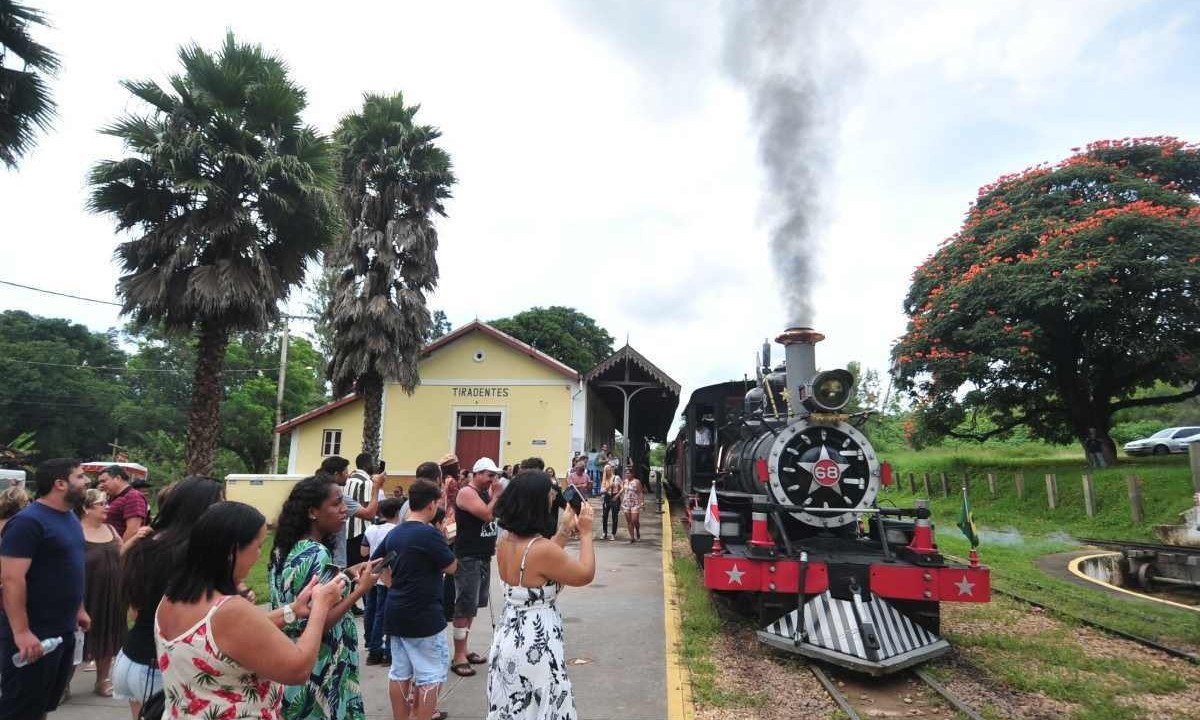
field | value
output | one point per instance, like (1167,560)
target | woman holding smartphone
(220,655)
(311,516)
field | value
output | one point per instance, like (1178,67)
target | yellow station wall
(535,406)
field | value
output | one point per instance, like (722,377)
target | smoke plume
(795,59)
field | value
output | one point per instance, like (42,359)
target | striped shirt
(358,485)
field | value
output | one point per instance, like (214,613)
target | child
(389,511)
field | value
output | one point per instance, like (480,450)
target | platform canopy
(627,380)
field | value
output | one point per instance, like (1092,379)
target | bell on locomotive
(803,542)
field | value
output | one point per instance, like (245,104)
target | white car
(1171,440)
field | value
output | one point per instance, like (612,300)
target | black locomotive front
(803,540)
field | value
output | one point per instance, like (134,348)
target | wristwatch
(289,615)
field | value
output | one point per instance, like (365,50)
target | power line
(121,368)
(60,294)
(311,318)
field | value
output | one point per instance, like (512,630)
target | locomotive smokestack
(766,355)
(799,348)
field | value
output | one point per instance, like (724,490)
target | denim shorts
(425,660)
(134,681)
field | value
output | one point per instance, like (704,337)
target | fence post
(992,484)
(1135,498)
(925,478)
(945,487)
(1019,481)
(1052,490)
(1194,455)
(912,482)
(1089,496)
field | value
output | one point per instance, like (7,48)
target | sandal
(476,659)
(104,688)
(440,715)
(463,669)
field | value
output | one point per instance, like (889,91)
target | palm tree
(394,179)
(228,195)
(24,98)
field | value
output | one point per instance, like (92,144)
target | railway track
(1119,544)
(1144,641)
(847,706)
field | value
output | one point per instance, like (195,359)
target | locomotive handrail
(919,513)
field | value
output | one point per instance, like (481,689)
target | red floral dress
(201,682)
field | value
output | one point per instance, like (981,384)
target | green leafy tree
(395,178)
(61,381)
(248,413)
(563,333)
(439,325)
(25,102)
(1068,289)
(228,195)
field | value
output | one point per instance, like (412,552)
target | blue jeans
(376,598)
(595,475)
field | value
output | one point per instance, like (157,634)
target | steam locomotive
(831,573)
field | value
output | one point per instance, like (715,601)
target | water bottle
(78,646)
(48,646)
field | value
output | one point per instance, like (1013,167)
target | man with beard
(42,569)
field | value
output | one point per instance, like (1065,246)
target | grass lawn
(1091,676)
(257,579)
(1014,532)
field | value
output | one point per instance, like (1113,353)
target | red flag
(712,514)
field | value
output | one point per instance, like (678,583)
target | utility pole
(283,349)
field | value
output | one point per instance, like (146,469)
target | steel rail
(1179,549)
(946,695)
(838,696)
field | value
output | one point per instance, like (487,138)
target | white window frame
(452,436)
(331,444)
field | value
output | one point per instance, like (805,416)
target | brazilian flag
(966,521)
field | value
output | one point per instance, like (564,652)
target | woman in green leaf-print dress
(313,512)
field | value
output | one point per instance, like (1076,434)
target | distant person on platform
(580,480)
(1094,447)
(42,572)
(357,487)
(337,469)
(425,471)
(474,547)
(128,510)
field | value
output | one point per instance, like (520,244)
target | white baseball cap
(485,465)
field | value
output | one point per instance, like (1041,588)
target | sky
(608,155)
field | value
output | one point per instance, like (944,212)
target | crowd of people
(168,624)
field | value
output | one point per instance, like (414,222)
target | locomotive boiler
(804,542)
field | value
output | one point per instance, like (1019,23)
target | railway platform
(614,632)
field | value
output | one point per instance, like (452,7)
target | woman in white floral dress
(527,674)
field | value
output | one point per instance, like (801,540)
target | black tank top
(475,538)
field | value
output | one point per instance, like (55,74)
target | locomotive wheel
(926,614)
(1145,576)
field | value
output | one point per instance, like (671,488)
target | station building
(484,393)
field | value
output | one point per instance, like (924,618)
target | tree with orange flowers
(1068,288)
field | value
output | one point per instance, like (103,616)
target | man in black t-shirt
(474,546)
(414,618)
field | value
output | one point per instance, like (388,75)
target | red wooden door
(478,436)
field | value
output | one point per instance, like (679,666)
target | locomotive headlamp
(829,391)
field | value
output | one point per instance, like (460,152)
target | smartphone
(573,498)
(329,572)
(382,466)
(388,560)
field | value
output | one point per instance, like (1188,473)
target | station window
(331,442)
(478,421)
